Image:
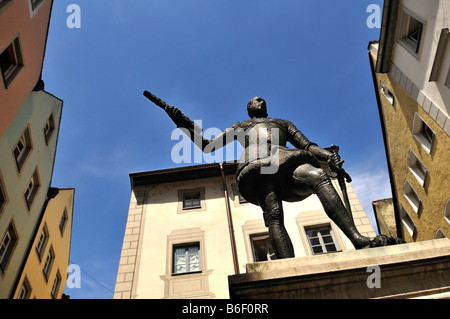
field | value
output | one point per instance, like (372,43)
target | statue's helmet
(256,107)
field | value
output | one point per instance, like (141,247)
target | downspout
(230,221)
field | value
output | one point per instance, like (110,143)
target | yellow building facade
(188,229)
(45,271)
(411,70)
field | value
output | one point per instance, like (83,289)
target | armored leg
(274,220)
(318,182)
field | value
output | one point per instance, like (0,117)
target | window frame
(21,153)
(31,192)
(412,196)
(421,132)
(49,128)
(407,221)
(63,221)
(182,193)
(48,264)
(5,257)
(56,285)
(25,290)
(404,34)
(3,196)
(41,244)
(270,254)
(16,62)
(417,168)
(186,247)
(322,244)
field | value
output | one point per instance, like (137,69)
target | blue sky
(307,58)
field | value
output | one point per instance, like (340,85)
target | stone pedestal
(414,270)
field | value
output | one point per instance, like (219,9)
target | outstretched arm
(191,129)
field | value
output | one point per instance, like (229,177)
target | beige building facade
(411,71)
(188,230)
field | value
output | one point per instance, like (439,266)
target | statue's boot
(337,212)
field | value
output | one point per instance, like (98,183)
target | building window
(321,239)
(447,82)
(423,133)
(417,168)
(411,29)
(22,148)
(440,54)
(2,197)
(11,62)
(55,286)
(7,246)
(262,248)
(25,290)
(388,94)
(63,221)
(191,199)
(35,3)
(42,242)
(439,234)
(186,258)
(447,211)
(411,196)
(48,263)
(3,4)
(49,128)
(407,221)
(32,189)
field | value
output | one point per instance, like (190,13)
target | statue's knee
(311,176)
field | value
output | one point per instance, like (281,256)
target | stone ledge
(420,269)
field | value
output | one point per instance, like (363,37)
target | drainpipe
(230,221)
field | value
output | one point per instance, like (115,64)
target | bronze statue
(269,172)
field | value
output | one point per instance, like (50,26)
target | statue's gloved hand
(335,162)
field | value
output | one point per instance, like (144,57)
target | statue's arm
(298,140)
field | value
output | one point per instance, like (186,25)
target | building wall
(435,14)
(59,241)
(33,115)
(156,223)
(18,19)
(409,98)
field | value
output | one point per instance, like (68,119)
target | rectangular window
(3,3)
(440,54)
(55,286)
(191,200)
(388,94)
(25,290)
(48,263)
(2,197)
(423,133)
(7,246)
(186,258)
(447,82)
(11,62)
(411,29)
(321,239)
(49,128)
(22,148)
(32,189)
(411,196)
(42,242)
(417,168)
(407,221)
(35,3)
(262,248)
(63,222)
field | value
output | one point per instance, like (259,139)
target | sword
(342,177)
